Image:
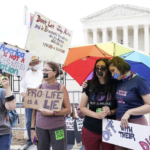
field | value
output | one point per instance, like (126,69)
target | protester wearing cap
(1,78)
(32,79)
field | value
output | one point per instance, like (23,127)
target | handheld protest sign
(48,39)
(40,98)
(14,60)
(135,136)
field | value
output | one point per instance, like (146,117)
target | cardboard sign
(14,60)
(70,124)
(134,137)
(79,124)
(39,98)
(48,39)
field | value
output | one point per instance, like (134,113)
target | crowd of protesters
(109,78)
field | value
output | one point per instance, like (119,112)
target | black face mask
(45,75)
(99,73)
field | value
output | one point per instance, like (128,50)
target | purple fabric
(50,122)
(89,77)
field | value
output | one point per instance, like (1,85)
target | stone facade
(124,24)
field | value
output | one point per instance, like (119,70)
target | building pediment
(115,11)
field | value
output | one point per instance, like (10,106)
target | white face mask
(36,67)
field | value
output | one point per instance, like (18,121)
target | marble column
(125,35)
(114,34)
(104,31)
(146,38)
(135,28)
(94,36)
(85,36)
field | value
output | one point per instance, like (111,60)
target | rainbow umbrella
(80,60)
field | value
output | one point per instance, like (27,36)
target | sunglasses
(102,68)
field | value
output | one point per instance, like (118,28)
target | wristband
(53,113)
(10,98)
(32,128)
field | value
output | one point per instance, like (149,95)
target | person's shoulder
(61,86)
(140,78)
(28,72)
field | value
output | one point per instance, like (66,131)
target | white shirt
(32,79)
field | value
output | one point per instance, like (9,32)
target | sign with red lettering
(48,39)
(135,136)
(14,60)
(40,98)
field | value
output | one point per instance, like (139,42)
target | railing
(74,97)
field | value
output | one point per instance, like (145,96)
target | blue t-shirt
(129,93)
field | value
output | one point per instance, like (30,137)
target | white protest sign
(70,124)
(79,124)
(14,60)
(48,39)
(135,137)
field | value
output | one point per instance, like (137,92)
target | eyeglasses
(46,70)
(103,68)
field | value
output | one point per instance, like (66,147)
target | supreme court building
(125,24)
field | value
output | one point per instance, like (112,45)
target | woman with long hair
(98,101)
(48,123)
(132,95)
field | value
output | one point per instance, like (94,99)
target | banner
(79,124)
(40,98)
(135,137)
(48,39)
(14,60)
(70,124)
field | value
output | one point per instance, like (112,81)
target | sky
(66,12)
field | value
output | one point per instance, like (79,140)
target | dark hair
(55,67)
(120,63)
(96,86)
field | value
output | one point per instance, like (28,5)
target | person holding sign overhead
(100,96)
(32,79)
(7,103)
(50,125)
(133,94)
(1,78)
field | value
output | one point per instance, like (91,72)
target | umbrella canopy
(80,60)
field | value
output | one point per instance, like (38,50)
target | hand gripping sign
(40,98)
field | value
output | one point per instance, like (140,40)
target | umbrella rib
(100,50)
(128,54)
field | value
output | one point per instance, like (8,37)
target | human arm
(23,87)
(84,85)
(108,111)
(144,109)
(33,123)
(88,112)
(9,105)
(142,88)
